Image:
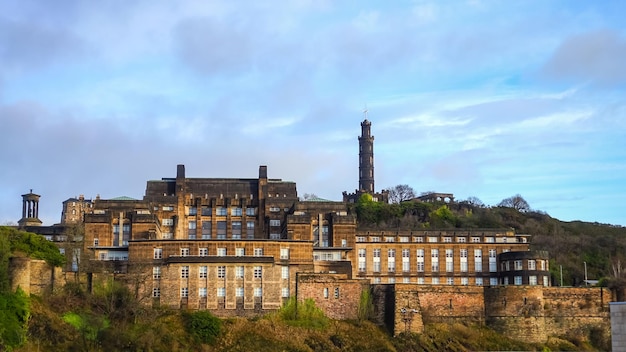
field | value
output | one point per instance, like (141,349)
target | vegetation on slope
(15,306)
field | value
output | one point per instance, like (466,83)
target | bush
(303,314)
(203,326)
(14,314)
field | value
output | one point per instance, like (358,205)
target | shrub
(304,314)
(203,326)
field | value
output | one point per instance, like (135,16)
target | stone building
(434,257)
(74,209)
(30,210)
(366,168)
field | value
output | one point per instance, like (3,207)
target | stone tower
(30,210)
(366,158)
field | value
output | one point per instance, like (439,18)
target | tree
(475,202)
(516,202)
(401,193)
(309,196)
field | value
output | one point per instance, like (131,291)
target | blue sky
(482,99)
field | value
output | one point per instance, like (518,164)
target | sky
(484,99)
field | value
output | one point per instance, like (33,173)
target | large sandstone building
(242,246)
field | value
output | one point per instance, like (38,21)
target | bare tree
(475,202)
(401,193)
(309,196)
(516,202)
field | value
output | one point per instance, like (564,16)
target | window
(546,282)
(284,253)
(360,239)
(532,280)
(193,211)
(221,271)
(274,222)
(418,239)
(221,252)
(250,229)
(344,243)
(250,211)
(203,252)
(156,272)
(532,264)
(274,209)
(391,280)
(434,260)
(285,272)
(518,280)
(390,239)
(406,264)
(374,239)
(517,265)
(203,272)
(464,281)
(258,252)
(391,260)
(235,211)
(221,291)
(475,239)
(434,280)
(376,280)
(406,280)
(240,251)
(274,236)
(447,240)
(184,272)
(336,292)
(489,240)
(450,281)
(478,260)
(239,292)
(449,260)
(239,272)
(461,239)
(202,292)
(184,252)
(236,230)
(432,239)
(493,281)
(96,242)
(167,235)
(158,253)
(167,222)
(404,239)
(479,281)
(221,230)
(361,261)
(258,292)
(220,211)
(258,272)
(420,280)
(207,211)
(325,292)
(420,260)
(206,230)
(493,265)
(506,280)
(285,292)
(156,292)
(168,208)
(463,261)
(376,253)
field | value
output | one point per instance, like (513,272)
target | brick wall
(528,313)
(336,295)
